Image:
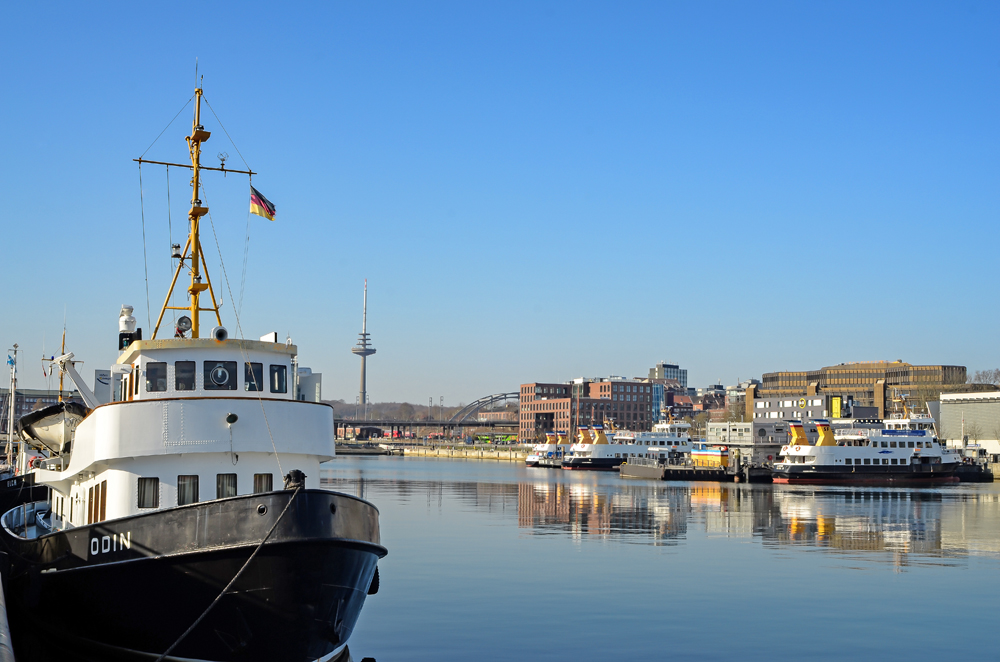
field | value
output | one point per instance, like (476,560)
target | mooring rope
(232,581)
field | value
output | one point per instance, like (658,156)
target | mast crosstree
(193,255)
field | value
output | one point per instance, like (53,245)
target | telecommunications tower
(364,350)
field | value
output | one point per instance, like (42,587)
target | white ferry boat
(555,447)
(597,453)
(904,451)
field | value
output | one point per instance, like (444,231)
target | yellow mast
(197,255)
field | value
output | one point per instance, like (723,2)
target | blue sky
(535,191)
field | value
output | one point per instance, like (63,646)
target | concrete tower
(364,350)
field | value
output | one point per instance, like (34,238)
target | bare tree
(974,432)
(988,376)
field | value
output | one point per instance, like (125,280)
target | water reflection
(894,525)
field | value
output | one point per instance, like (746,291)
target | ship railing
(23,520)
(659,462)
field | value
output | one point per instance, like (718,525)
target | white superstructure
(198,419)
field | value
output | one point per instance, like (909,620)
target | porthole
(261,509)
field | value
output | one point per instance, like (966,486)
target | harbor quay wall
(503,455)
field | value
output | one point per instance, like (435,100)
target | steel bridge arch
(468,410)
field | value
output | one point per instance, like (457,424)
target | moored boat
(595,452)
(186,519)
(905,451)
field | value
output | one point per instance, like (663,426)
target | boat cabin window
(220,375)
(149,492)
(156,377)
(253,376)
(278,373)
(135,379)
(184,375)
(909,444)
(885,444)
(187,490)
(225,486)
(892,444)
(263,482)
(868,461)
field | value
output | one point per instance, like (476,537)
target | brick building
(549,407)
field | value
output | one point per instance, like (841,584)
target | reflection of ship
(863,520)
(906,451)
(882,525)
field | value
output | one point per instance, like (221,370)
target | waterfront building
(971,420)
(756,442)
(549,407)
(663,370)
(862,390)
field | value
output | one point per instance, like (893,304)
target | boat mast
(11,409)
(197,264)
(62,352)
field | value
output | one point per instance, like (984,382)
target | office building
(550,407)
(838,391)
(669,371)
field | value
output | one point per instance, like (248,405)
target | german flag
(260,205)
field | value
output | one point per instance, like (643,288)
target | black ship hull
(916,474)
(127,589)
(17,490)
(593,463)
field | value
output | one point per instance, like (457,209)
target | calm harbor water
(490,560)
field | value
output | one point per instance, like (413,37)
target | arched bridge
(464,418)
(489,401)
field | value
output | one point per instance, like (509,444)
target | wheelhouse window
(184,375)
(263,483)
(225,486)
(220,375)
(278,379)
(187,490)
(156,377)
(149,492)
(253,376)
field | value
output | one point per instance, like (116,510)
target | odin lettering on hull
(113,543)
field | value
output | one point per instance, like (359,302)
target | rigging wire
(246,253)
(145,267)
(170,236)
(246,242)
(226,132)
(168,126)
(239,327)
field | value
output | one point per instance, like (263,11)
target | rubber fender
(373,587)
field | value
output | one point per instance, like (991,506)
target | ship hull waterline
(594,464)
(153,575)
(912,475)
